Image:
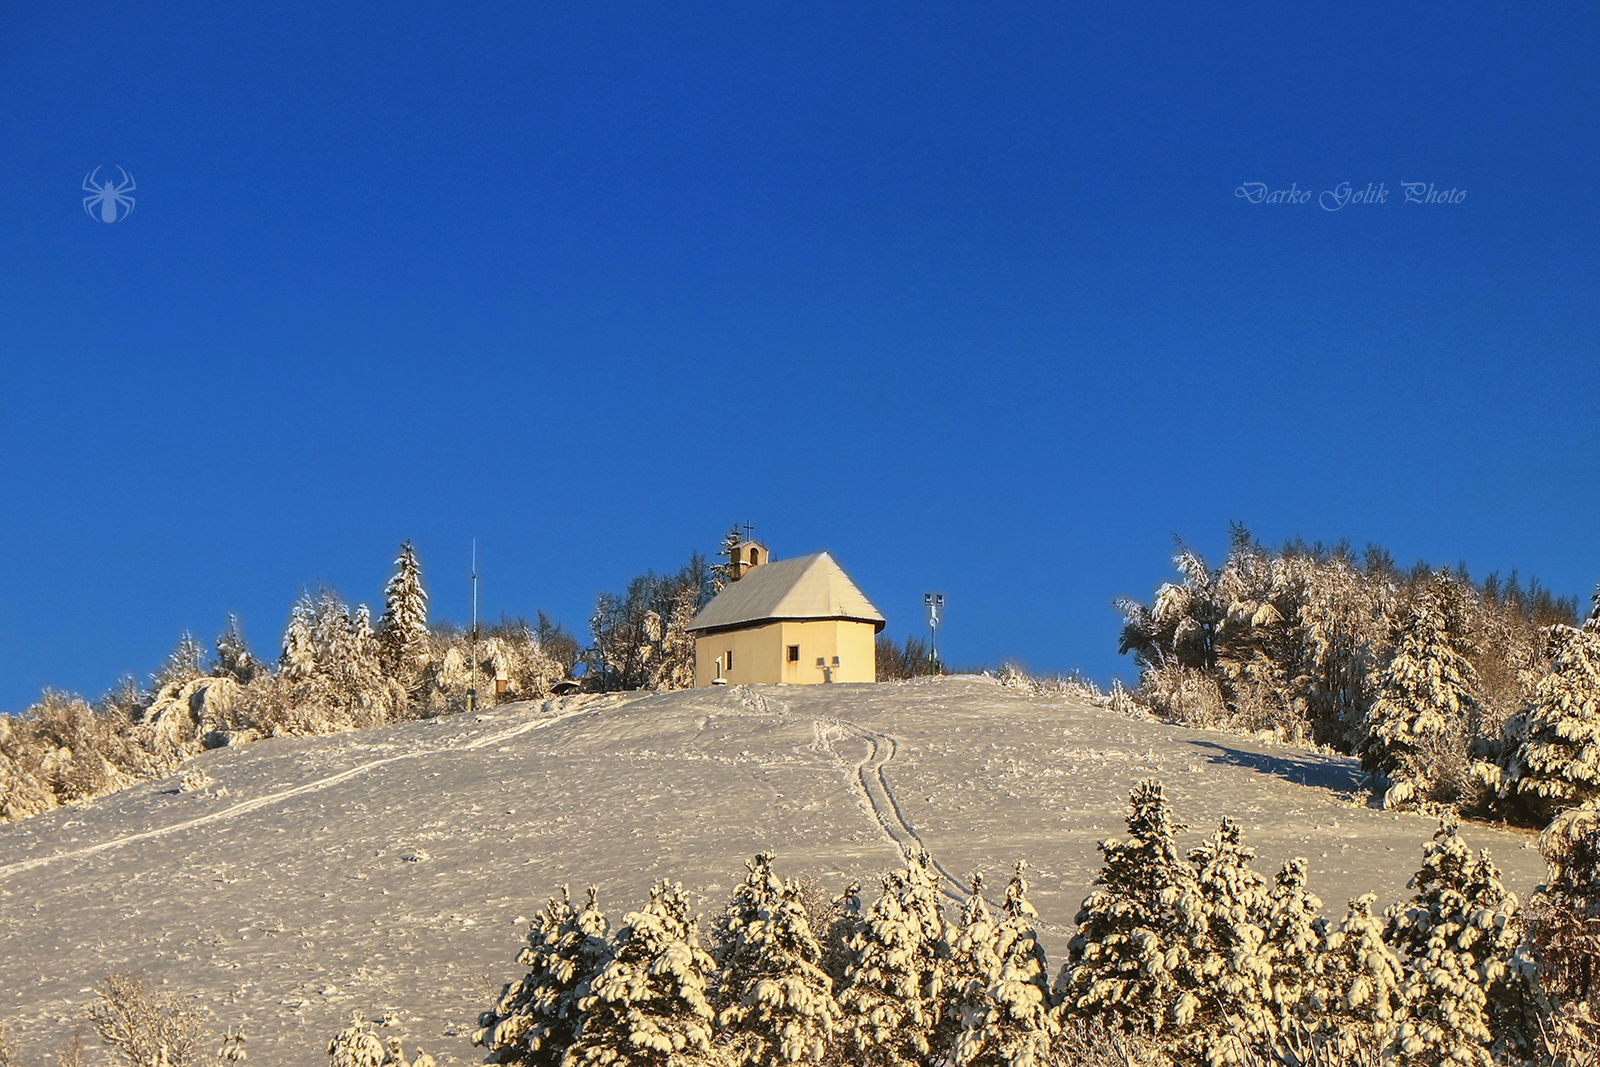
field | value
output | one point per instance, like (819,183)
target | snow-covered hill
(394,868)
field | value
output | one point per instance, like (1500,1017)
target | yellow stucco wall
(760,653)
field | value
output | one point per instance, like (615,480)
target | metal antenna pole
(472,679)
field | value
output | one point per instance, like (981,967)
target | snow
(394,868)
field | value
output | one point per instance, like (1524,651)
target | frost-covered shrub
(142,1028)
(194,780)
(360,1045)
(1012,676)
(1184,695)
(62,750)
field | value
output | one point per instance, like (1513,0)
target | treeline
(1179,958)
(340,669)
(337,670)
(1477,696)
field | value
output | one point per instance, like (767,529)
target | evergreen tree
(234,659)
(752,900)
(974,968)
(1554,755)
(1359,993)
(1130,961)
(1231,979)
(1426,699)
(299,657)
(536,1018)
(403,627)
(1017,1025)
(728,571)
(782,999)
(647,1007)
(1457,936)
(920,898)
(183,665)
(1294,934)
(886,1020)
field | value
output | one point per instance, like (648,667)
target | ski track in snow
(245,807)
(872,789)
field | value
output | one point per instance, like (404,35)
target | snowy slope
(393,868)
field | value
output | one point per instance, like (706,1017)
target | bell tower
(746,554)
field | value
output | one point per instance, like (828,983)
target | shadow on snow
(1339,774)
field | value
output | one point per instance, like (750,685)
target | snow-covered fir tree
(727,572)
(536,1018)
(1016,1025)
(299,657)
(1294,934)
(331,637)
(648,1006)
(234,659)
(1425,705)
(1456,936)
(403,627)
(1358,997)
(1553,746)
(781,1000)
(841,922)
(921,899)
(1130,962)
(1229,992)
(887,1022)
(183,664)
(973,969)
(752,898)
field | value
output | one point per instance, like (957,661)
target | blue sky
(961,293)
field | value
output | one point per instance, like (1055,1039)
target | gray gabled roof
(806,587)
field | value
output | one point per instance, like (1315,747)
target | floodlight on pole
(934,602)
